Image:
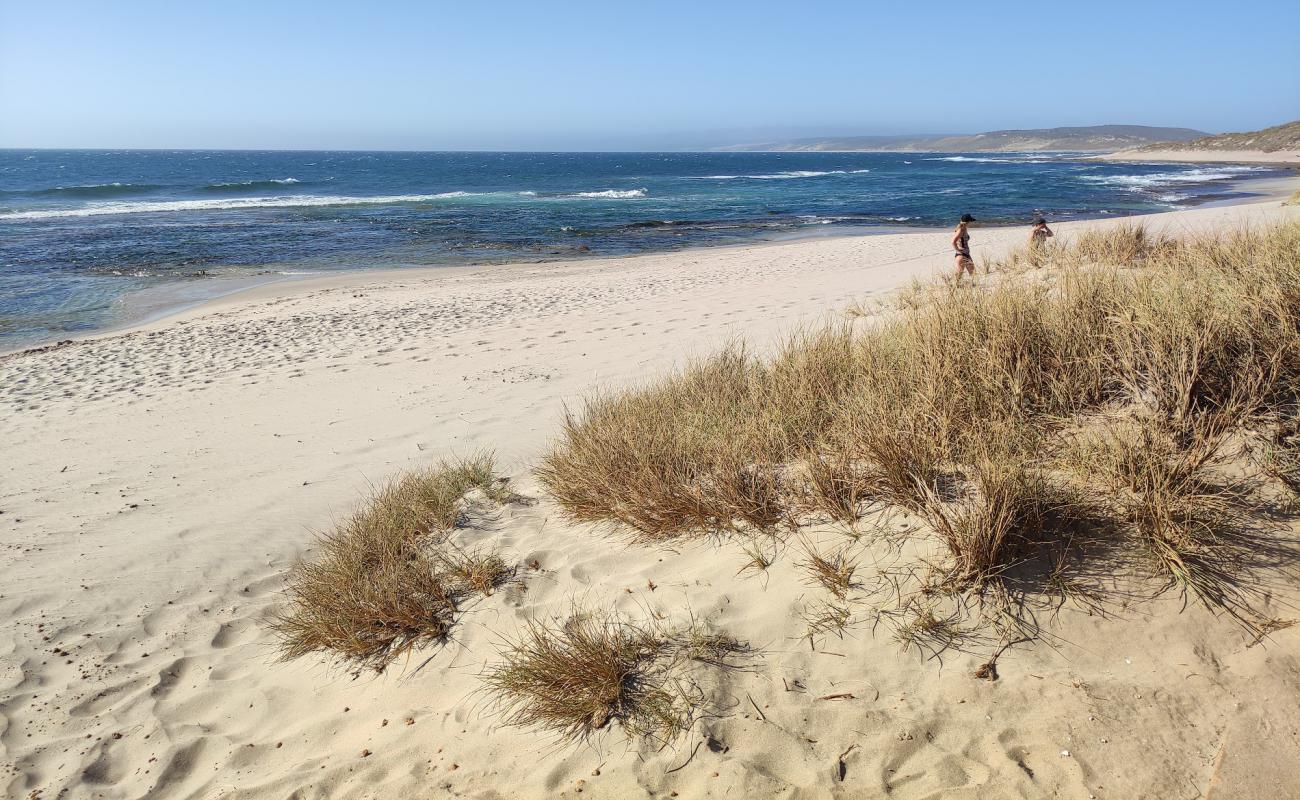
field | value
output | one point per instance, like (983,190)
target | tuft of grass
(1126,244)
(826,617)
(833,571)
(574,678)
(759,558)
(474,571)
(926,632)
(387,580)
(1281,457)
(1187,519)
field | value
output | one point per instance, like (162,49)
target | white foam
(991,159)
(613,194)
(237,184)
(233,203)
(1159,179)
(780,176)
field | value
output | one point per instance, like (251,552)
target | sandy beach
(158,482)
(1208,156)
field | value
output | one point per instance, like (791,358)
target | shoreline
(162,303)
(1278,157)
(159,483)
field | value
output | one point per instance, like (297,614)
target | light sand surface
(155,486)
(1227,156)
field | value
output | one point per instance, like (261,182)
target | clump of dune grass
(958,406)
(387,579)
(473,571)
(1281,455)
(1126,244)
(1189,519)
(759,558)
(833,571)
(826,617)
(1000,516)
(576,677)
(920,628)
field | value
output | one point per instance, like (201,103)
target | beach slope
(158,484)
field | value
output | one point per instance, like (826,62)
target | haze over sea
(81,230)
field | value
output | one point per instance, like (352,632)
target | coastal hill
(1278,144)
(1092,138)
(1269,140)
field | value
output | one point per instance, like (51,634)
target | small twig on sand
(688,759)
(989,669)
(841,696)
(756,708)
(842,769)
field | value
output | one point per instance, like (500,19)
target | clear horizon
(586,76)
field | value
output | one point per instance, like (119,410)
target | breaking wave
(243,186)
(613,194)
(788,175)
(233,203)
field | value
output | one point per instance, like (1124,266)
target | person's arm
(956,241)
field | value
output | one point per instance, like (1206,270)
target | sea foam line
(1158,179)
(253,183)
(613,194)
(234,203)
(993,160)
(788,175)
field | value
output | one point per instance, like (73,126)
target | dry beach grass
(389,579)
(961,408)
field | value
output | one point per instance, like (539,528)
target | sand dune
(157,484)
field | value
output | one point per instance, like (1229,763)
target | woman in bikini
(961,248)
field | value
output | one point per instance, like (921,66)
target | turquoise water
(81,229)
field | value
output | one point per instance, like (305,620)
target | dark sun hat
(967,218)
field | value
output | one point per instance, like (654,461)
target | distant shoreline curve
(1291,157)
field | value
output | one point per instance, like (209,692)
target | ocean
(82,232)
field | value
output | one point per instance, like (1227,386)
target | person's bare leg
(964,265)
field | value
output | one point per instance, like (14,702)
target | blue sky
(475,74)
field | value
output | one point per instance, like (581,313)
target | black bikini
(964,250)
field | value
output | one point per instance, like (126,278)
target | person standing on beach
(961,248)
(1038,236)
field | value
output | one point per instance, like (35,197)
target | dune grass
(958,407)
(574,678)
(1282,457)
(388,579)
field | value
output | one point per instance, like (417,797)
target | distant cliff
(1092,138)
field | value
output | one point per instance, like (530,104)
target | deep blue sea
(82,230)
